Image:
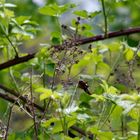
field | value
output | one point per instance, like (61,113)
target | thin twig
(32,105)
(8,122)
(49,100)
(16,53)
(15,102)
(7,37)
(105,17)
(44,80)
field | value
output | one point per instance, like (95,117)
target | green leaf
(83,117)
(133,125)
(86,33)
(12,136)
(93,129)
(121,87)
(46,93)
(57,127)
(69,138)
(85,98)
(116,117)
(56,37)
(9,13)
(93,14)
(105,66)
(105,135)
(50,69)
(85,14)
(134,113)
(129,54)
(126,105)
(98,97)
(55,10)
(114,47)
(8,5)
(138,53)
(81,13)
(47,123)
(112,90)
(22,19)
(70,109)
(109,89)
(70,120)
(65,99)
(85,26)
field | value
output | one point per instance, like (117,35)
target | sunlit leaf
(93,14)
(98,97)
(70,109)
(9,13)
(85,14)
(126,105)
(82,13)
(57,127)
(46,93)
(83,117)
(105,135)
(129,54)
(8,5)
(93,129)
(22,19)
(48,122)
(55,10)
(69,138)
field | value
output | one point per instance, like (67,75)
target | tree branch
(9,99)
(109,35)
(16,61)
(16,94)
(77,42)
(14,101)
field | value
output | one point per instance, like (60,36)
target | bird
(83,85)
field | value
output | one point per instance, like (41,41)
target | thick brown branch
(19,60)
(109,35)
(12,100)
(16,61)
(9,99)
(20,97)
